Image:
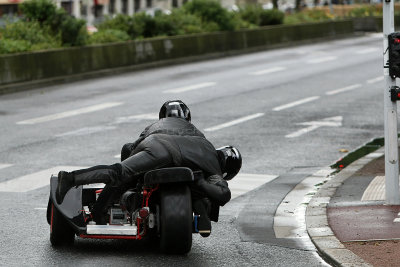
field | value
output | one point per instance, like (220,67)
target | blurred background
(42,24)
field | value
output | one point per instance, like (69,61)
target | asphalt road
(289,111)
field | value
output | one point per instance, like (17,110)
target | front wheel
(176,219)
(61,233)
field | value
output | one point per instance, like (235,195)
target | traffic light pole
(390,110)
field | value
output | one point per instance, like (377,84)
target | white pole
(105,9)
(77,9)
(390,110)
(89,13)
(142,5)
(118,6)
(131,7)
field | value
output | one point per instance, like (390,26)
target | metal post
(390,110)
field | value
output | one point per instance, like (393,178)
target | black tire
(61,232)
(176,219)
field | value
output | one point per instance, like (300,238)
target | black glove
(126,151)
(218,193)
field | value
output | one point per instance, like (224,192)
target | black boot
(66,181)
(103,202)
(200,207)
(97,174)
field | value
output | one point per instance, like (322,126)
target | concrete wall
(372,24)
(27,70)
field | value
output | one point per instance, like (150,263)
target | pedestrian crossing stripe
(245,182)
(2,166)
(241,184)
(34,180)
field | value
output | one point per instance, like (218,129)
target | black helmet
(231,161)
(175,108)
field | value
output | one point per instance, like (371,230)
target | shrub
(251,14)
(31,33)
(255,14)
(108,36)
(318,15)
(13,46)
(146,23)
(38,10)
(365,11)
(177,23)
(240,23)
(211,11)
(164,25)
(312,15)
(271,17)
(127,24)
(71,30)
(185,23)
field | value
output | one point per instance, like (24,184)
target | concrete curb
(330,248)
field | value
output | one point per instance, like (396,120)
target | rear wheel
(61,233)
(176,219)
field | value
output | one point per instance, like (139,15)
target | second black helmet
(175,108)
(230,161)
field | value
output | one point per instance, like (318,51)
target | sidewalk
(348,221)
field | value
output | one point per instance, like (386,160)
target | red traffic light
(396,40)
(395,93)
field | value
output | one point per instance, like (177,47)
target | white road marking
(87,130)
(110,126)
(313,125)
(289,219)
(146,116)
(367,50)
(117,156)
(302,131)
(70,113)
(190,87)
(344,89)
(375,80)
(2,166)
(234,122)
(296,103)
(396,220)
(266,71)
(322,59)
(375,190)
(33,181)
(245,182)
(40,208)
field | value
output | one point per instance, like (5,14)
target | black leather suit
(166,143)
